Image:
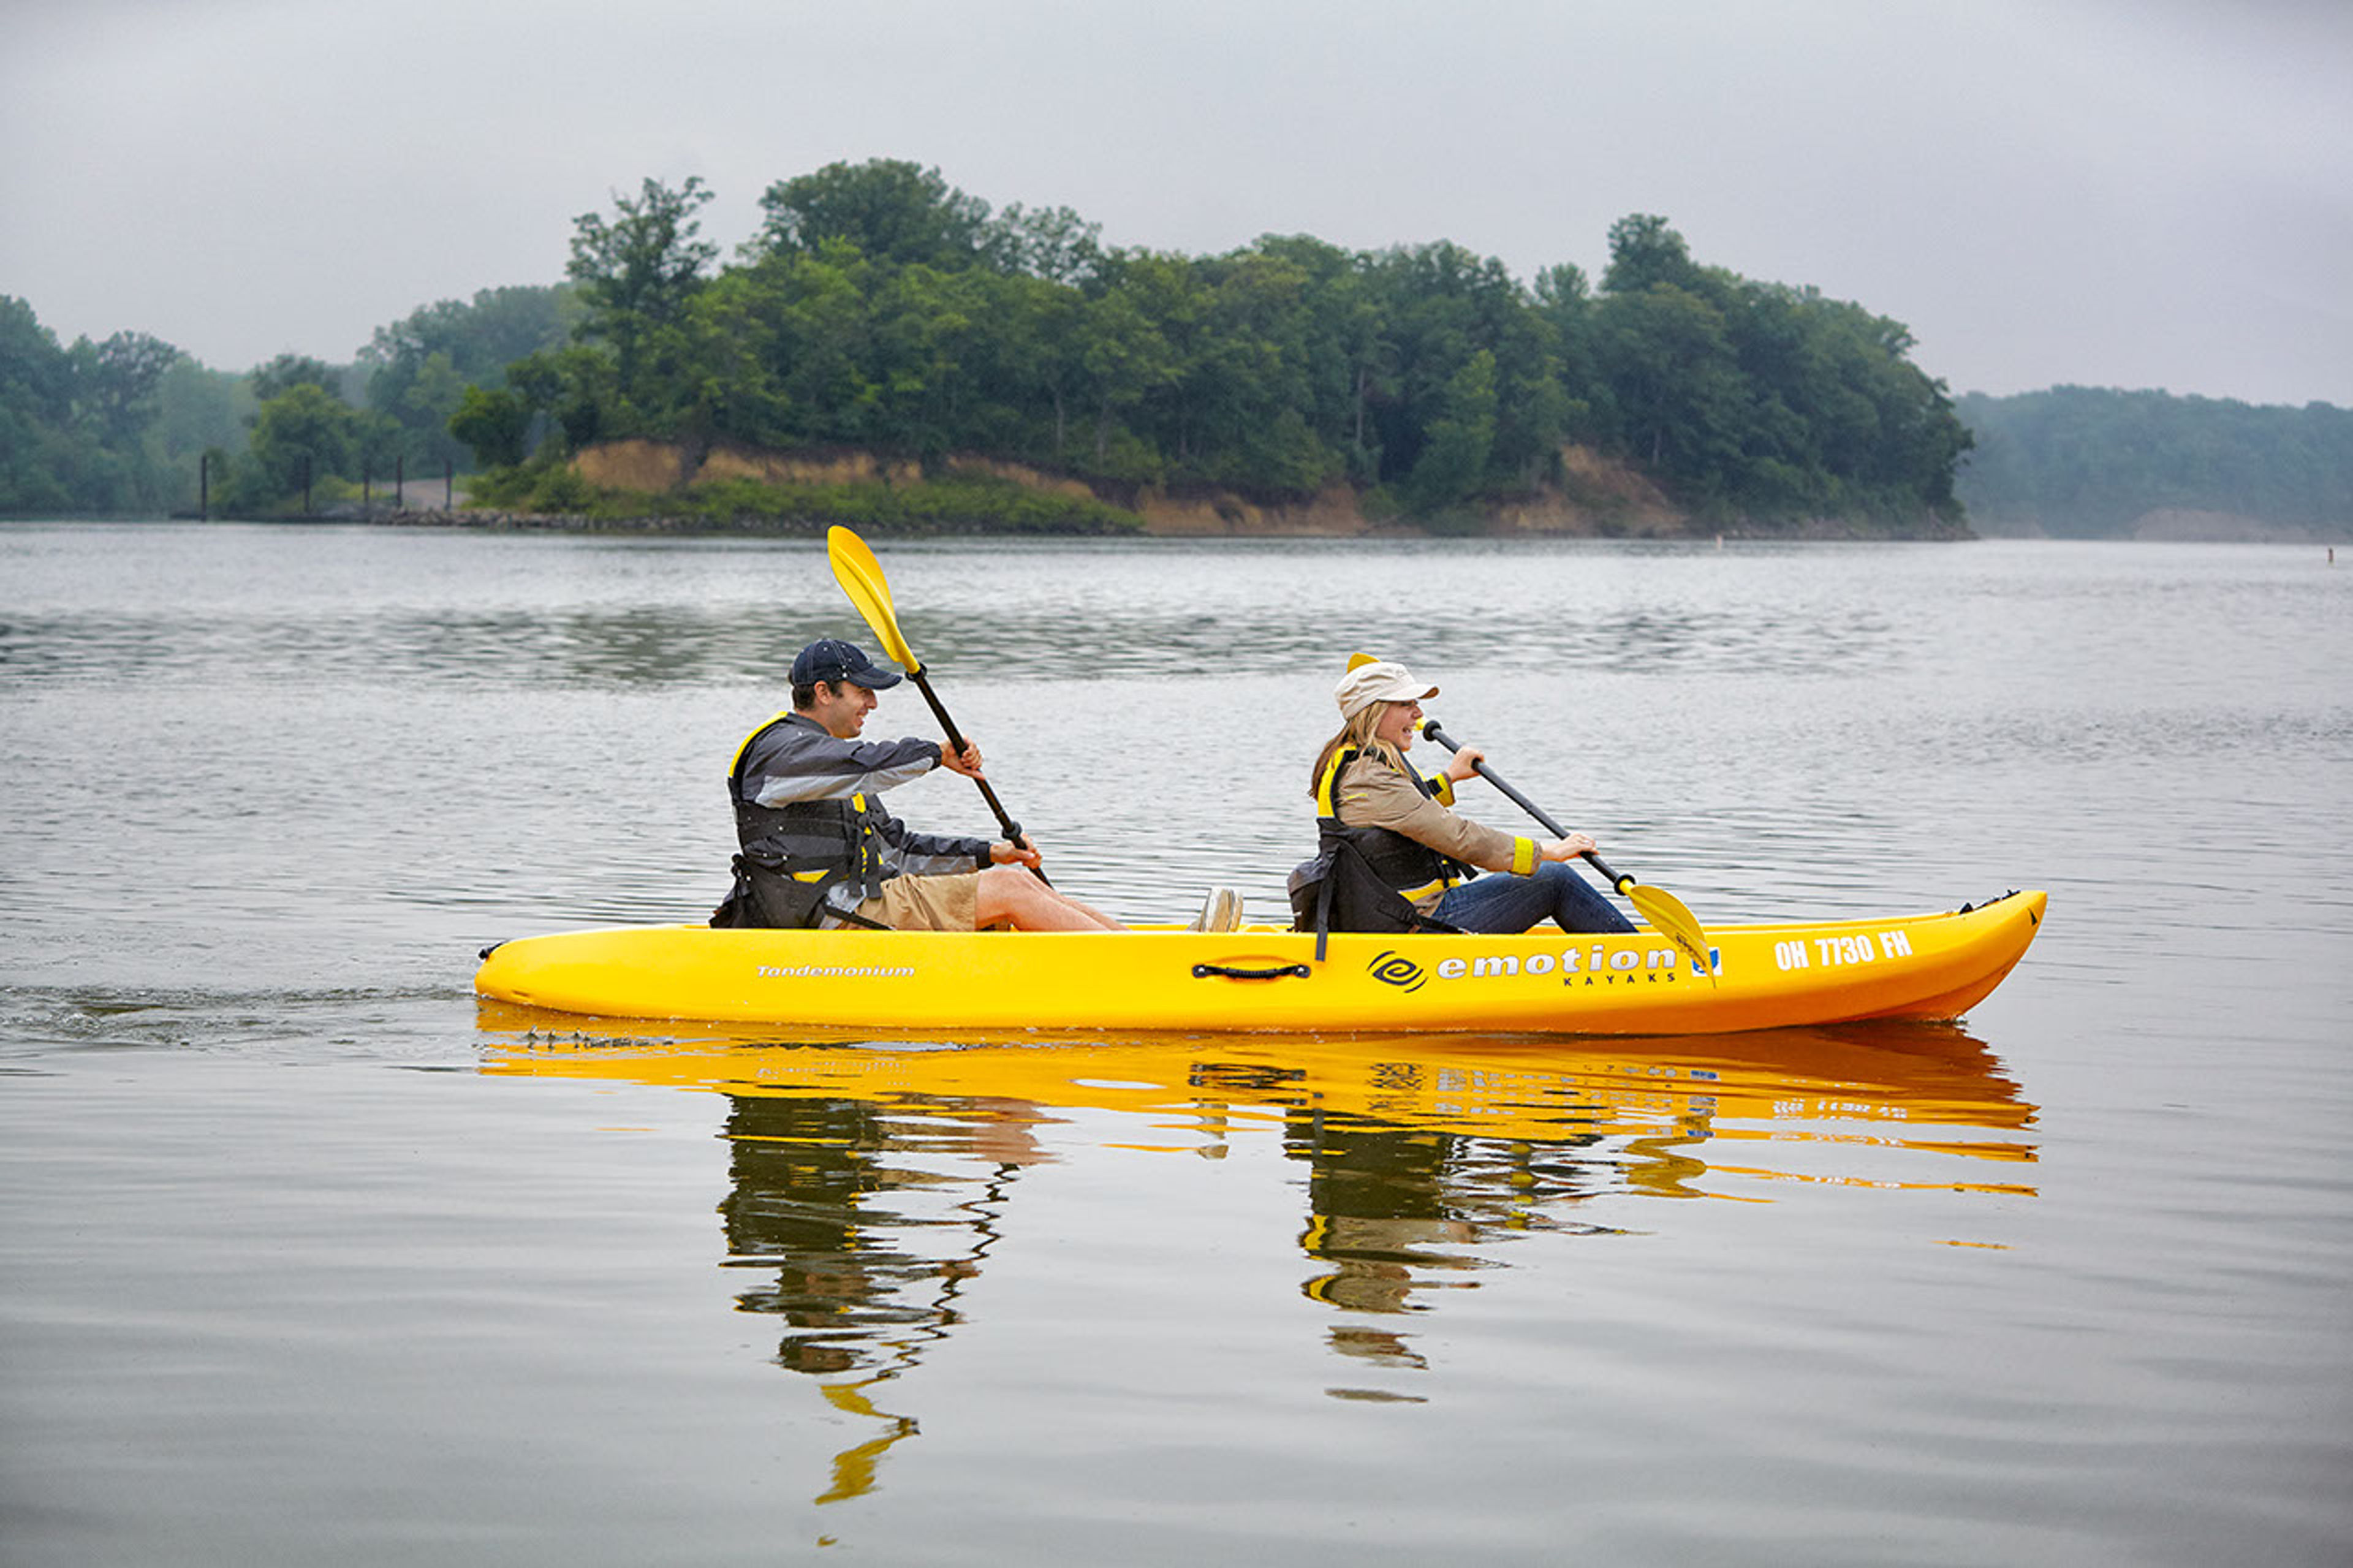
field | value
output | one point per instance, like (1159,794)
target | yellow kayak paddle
(861,577)
(1665,912)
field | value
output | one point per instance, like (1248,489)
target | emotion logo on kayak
(1390,969)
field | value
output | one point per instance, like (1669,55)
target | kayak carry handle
(1280,972)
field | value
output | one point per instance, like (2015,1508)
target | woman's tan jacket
(1373,793)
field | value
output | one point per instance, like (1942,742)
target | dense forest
(2087,462)
(103,427)
(879,310)
(121,427)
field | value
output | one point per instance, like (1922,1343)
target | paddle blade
(1668,916)
(861,577)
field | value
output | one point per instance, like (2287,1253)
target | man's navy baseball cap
(831,660)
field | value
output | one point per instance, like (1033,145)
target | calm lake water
(303,1259)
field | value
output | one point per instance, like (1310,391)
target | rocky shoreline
(491,520)
(495,520)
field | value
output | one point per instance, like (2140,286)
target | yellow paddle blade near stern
(1671,919)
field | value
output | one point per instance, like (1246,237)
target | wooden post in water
(400,481)
(306,484)
(367,486)
(204,487)
(449,485)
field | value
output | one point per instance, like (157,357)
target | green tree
(2091,462)
(1241,410)
(1031,364)
(1563,297)
(420,423)
(116,382)
(37,378)
(1461,441)
(75,422)
(892,211)
(637,271)
(574,388)
(302,437)
(1340,330)
(1122,360)
(197,408)
(496,423)
(804,326)
(1644,253)
(288,371)
(1053,243)
(926,328)
(882,307)
(1676,381)
(1438,306)
(418,368)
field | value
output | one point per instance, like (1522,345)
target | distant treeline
(121,428)
(103,427)
(880,309)
(2089,462)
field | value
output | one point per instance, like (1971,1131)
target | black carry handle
(1280,972)
(955,742)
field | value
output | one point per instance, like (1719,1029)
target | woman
(1371,805)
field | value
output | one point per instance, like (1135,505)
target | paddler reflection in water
(1392,856)
(819,850)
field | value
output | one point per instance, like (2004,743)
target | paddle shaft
(955,742)
(1430,728)
(1662,909)
(861,577)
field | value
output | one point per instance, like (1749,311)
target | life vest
(794,855)
(1366,879)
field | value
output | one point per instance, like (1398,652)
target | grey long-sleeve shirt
(800,759)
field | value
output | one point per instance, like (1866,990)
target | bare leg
(1009,895)
(1103,920)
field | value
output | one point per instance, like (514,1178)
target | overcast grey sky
(2122,192)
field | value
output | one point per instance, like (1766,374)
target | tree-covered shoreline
(880,311)
(2080,462)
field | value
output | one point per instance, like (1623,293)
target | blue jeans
(1500,903)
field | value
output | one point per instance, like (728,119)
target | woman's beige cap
(1379,681)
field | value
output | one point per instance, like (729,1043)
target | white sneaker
(1221,910)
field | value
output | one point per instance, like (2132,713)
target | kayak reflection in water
(819,850)
(863,1235)
(1393,856)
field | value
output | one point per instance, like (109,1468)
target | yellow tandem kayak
(1264,978)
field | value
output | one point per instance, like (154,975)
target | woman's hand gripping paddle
(861,577)
(1665,912)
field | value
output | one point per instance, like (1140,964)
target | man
(819,850)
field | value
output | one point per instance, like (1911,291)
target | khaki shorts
(927,903)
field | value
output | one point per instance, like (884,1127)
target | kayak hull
(1265,979)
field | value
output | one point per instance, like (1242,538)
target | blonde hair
(1356,735)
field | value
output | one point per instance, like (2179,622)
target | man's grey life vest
(792,856)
